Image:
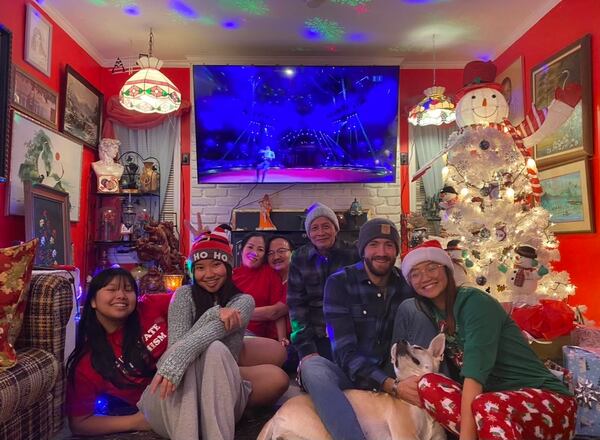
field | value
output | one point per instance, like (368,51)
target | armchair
(32,392)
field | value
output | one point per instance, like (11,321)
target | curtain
(159,142)
(425,143)
(115,113)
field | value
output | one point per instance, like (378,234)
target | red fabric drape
(115,112)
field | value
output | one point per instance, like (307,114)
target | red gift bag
(548,320)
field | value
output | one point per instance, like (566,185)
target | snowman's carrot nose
(484,103)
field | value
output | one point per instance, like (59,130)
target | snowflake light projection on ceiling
(351,2)
(326,29)
(253,7)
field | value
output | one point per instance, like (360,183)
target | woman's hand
(140,422)
(166,386)
(231,318)
(284,341)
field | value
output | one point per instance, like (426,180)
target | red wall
(64,51)
(567,22)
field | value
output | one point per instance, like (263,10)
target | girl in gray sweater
(199,386)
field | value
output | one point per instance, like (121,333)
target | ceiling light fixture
(148,90)
(435,108)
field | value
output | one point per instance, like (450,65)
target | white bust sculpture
(107,170)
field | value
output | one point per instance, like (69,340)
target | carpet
(246,429)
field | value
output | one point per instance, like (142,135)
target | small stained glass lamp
(172,281)
(435,108)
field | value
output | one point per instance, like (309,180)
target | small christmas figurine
(355,208)
(448,196)
(460,272)
(264,221)
(525,275)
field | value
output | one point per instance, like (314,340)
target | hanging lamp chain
(150,43)
(433,39)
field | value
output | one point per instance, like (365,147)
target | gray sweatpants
(210,398)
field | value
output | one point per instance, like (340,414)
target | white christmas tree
(491,198)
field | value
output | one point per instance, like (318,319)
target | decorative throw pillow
(16,264)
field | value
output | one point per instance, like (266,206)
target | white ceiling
(397,31)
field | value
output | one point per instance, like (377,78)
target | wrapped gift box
(586,336)
(551,350)
(584,365)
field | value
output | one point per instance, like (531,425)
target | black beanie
(377,228)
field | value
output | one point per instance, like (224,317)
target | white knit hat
(317,210)
(430,250)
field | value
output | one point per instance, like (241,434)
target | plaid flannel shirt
(308,272)
(360,321)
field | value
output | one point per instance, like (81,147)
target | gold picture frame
(568,197)
(34,99)
(573,139)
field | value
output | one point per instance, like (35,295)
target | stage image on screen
(295,124)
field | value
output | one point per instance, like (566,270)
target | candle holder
(172,281)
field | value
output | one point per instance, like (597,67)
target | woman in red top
(119,341)
(255,277)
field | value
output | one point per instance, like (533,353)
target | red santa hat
(430,250)
(478,75)
(213,245)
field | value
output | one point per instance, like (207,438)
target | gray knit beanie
(377,228)
(317,210)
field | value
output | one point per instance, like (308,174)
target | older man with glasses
(279,255)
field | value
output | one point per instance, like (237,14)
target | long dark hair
(263,260)
(450,292)
(204,300)
(92,337)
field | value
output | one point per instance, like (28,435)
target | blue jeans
(413,326)
(325,382)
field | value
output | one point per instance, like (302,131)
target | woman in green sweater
(506,391)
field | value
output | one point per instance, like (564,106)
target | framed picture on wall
(44,156)
(82,108)
(5,64)
(511,80)
(574,137)
(38,40)
(47,218)
(567,196)
(34,99)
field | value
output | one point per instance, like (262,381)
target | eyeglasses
(280,252)
(416,275)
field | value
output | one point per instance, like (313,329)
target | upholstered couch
(32,392)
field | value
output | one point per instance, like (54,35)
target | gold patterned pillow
(16,264)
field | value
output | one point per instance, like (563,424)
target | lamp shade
(434,109)
(148,90)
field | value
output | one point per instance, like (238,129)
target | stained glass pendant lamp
(148,90)
(435,108)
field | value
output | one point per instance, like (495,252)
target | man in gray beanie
(311,264)
(359,306)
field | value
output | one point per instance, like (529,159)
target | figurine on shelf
(126,232)
(161,246)
(130,176)
(108,172)
(264,221)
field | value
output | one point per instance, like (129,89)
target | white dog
(381,416)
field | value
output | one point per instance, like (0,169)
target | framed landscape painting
(573,139)
(47,218)
(44,156)
(34,98)
(567,196)
(82,109)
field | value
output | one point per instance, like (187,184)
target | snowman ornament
(455,252)
(525,275)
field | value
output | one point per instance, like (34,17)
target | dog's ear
(437,345)
(393,352)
